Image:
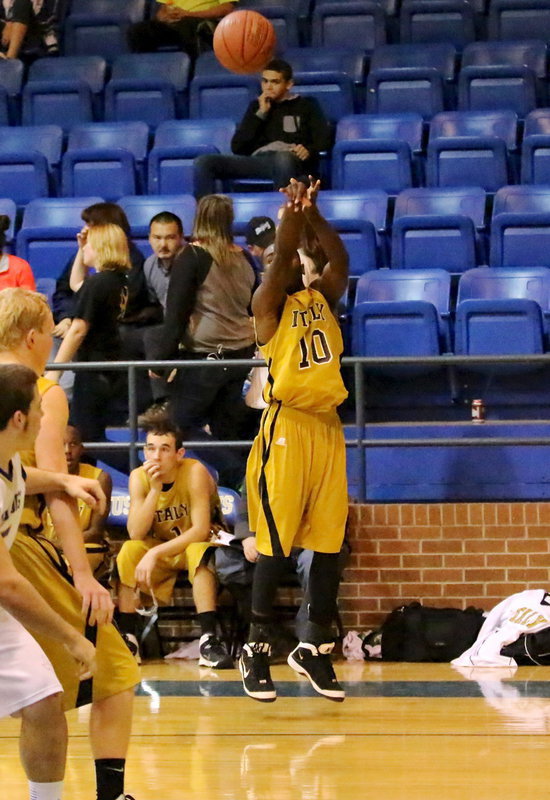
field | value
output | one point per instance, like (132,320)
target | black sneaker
(254,667)
(314,662)
(133,645)
(212,653)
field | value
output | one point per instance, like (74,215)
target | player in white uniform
(29,687)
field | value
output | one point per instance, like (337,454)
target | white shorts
(26,675)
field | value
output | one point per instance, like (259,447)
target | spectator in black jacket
(279,138)
(30,28)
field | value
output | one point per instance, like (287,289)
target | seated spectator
(29,28)
(186,25)
(94,333)
(173,504)
(167,241)
(14,271)
(98,547)
(235,567)
(280,137)
(208,317)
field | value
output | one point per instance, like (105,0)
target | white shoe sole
(203,662)
(269,696)
(337,695)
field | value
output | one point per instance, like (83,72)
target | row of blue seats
(333,24)
(444,228)
(380,151)
(408,313)
(157,86)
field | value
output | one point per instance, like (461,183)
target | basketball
(244,41)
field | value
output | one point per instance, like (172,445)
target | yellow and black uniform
(172,518)
(296,472)
(37,559)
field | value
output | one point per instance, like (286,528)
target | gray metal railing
(359,365)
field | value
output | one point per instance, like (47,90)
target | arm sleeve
(188,272)
(88,299)
(245,138)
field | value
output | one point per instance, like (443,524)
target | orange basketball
(244,41)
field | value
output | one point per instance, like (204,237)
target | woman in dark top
(208,317)
(94,332)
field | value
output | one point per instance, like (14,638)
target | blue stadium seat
(519,19)
(447,242)
(56,102)
(520,54)
(336,24)
(284,18)
(11,82)
(69,71)
(535,149)
(374,163)
(351,61)
(499,327)
(522,200)
(98,27)
(254,204)
(222,95)
(471,148)
(177,143)
(401,285)
(46,286)
(495,87)
(332,90)
(520,240)
(148,87)
(29,161)
(437,21)
(354,129)
(140,210)
(134,9)
(8,207)
(364,204)
(47,238)
(411,77)
(106,157)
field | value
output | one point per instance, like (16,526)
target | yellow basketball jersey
(173,514)
(303,357)
(84,511)
(35,504)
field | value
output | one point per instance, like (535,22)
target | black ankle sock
(109,778)
(207,621)
(126,622)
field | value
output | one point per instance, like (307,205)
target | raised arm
(333,280)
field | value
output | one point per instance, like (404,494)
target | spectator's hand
(82,237)
(87,489)
(95,598)
(300,151)
(152,470)
(144,569)
(264,103)
(249,548)
(62,327)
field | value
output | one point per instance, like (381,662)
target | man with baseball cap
(259,234)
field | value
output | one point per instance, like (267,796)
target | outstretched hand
(299,196)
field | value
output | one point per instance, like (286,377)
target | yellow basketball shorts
(166,572)
(296,482)
(117,669)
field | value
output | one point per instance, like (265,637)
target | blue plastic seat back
(475,161)
(46,139)
(335,25)
(364,204)
(85,34)
(520,240)
(447,242)
(46,286)
(24,176)
(111,171)
(361,242)
(90,69)
(332,90)
(440,56)
(174,68)
(374,163)
(215,96)
(57,102)
(437,21)
(522,200)
(499,327)
(506,283)
(254,204)
(47,238)
(11,82)
(133,9)
(497,87)
(410,89)
(140,210)
(152,101)
(519,19)
(177,144)
(528,53)
(397,285)
(404,127)
(351,61)
(537,122)
(502,124)
(468,201)
(132,136)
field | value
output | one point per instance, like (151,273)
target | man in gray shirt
(166,240)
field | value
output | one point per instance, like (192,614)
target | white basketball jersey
(12,496)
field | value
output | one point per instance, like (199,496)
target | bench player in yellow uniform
(296,471)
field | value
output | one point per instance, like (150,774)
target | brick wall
(442,554)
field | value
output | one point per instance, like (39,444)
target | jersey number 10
(318,350)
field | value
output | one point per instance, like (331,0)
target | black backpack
(420,633)
(530,648)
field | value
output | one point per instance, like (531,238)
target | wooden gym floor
(405,732)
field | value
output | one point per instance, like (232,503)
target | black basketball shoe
(314,662)
(212,653)
(254,667)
